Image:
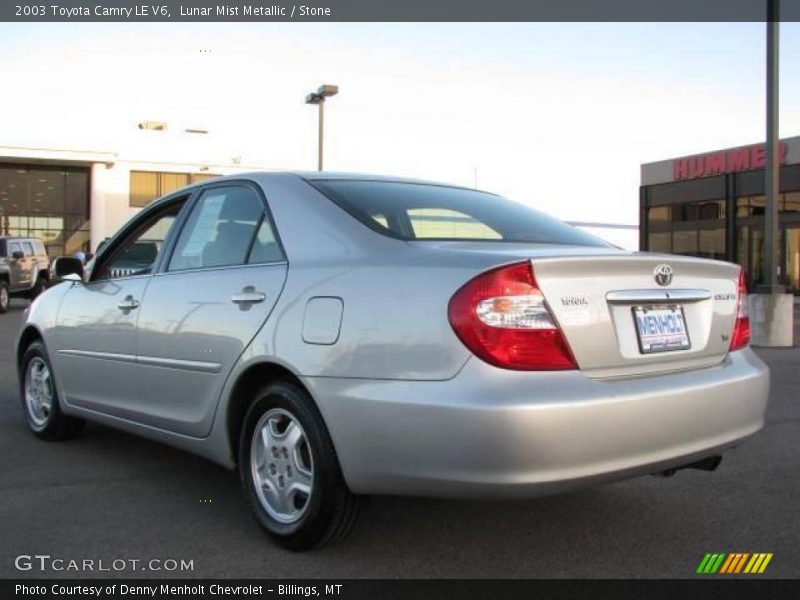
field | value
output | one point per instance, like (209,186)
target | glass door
(791,259)
(750,252)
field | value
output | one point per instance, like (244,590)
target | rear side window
(413,211)
(265,247)
(222,229)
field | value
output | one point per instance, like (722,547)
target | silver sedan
(332,336)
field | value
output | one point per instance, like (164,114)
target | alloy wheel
(38,391)
(282,466)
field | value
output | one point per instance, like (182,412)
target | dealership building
(72,199)
(712,205)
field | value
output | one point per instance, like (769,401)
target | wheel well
(242,396)
(44,274)
(30,335)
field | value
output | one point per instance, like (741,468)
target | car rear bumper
(494,432)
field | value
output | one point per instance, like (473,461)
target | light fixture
(153,125)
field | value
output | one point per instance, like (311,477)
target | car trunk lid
(598,301)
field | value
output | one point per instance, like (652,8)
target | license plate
(661,328)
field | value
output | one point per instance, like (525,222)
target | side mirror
(18,255)
(68,268)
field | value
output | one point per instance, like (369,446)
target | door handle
(128,304)
(248,297)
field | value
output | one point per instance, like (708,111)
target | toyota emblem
(663,274)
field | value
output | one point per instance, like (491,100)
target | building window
(147,186)
(743,248)
(793,259)
(50,203)
(659,214)
(684,242)
(753,206)
(659,242)
(710,210)
(750,206)
(790,202)
(685,212)
(144,188)
(712,243)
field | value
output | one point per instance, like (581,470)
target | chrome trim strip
(647,296)
(184,365)
(152,361)
(128,358)
(222,268)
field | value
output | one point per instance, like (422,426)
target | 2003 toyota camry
(336,335)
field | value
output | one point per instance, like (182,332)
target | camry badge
(663,274)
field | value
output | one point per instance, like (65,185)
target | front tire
(290,473)
(40,398)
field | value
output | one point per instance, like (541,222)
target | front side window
(27,248)
(221,229)
(136,254)
(414,211)
(14,247)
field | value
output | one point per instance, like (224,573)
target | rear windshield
(413,211)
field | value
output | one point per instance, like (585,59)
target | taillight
(502,317)
(741,330)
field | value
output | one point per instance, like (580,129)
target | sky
(558,115)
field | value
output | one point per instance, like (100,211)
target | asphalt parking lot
(110,495)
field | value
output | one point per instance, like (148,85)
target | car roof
(338,175)
(310,176)
(351,176)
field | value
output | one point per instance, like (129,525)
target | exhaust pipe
(707,464)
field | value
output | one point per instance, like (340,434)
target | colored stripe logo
(734,562)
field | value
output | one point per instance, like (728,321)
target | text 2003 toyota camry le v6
(334,335)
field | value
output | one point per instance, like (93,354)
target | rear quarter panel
(394,319)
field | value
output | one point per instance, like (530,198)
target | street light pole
(321,134)
(771,309)
(772,175)
(318,98)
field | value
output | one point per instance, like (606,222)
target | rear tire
(290,473)
(40,398)
(5,297)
